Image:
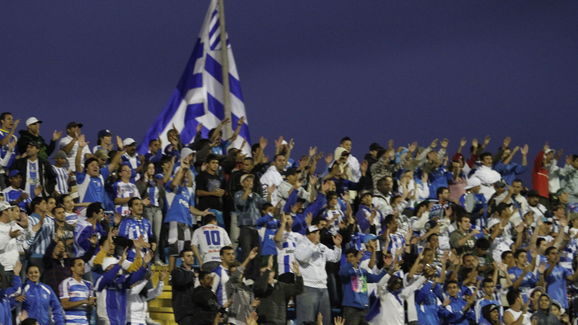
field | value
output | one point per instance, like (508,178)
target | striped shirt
(39,243)
(74,290)
(286,251)
(219,282)
(61,179)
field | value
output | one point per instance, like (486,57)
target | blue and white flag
(199,95)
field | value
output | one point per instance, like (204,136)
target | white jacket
(312,259)
(136,304)
(391,311)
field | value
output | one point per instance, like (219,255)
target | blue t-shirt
(557,284)
(179,209)
(267,227)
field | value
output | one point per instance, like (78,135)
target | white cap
(492,222)
(244,177)
(185,152)
(473,182)
(108,261)
(311,229)
(128,141)
(32,120)
(4,206)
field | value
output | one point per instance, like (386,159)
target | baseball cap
(375,146)
(13,172)
(532,193)
(291,171)
(312,229)
(186,152)
(244,177)
(32,120)
(4,206)
(102,154)
(73,124)
(128,142)
(104,133)
(60,155)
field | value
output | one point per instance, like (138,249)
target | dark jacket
(47,175)
(273,307)
(26,137)
(142,187)
(205,306)
(183,286)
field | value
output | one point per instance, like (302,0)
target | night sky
(311,70)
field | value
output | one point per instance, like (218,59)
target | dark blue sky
(312,70)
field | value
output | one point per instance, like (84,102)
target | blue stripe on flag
(214,29)
(216,107)
(235,87)
(214,68)
(215,44)
(193,111)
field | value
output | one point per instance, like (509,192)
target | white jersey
(210,239)
(286,251)
(124,190)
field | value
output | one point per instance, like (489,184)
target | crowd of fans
(406,235)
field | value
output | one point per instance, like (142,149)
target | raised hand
(487,140)
(263,142)
(463,142)
(444,143)
(328,159)
(524,150)
(56,135)
(434,143)
(337,240)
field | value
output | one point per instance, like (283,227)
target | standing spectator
(76,295)
(557,276)
(487,175)
(151,188)
(272,177)
(207,243)
(90,180)
(247,206)
(32,134)
(221,275)
(138,297)
(130,157)
(37,173)
(462,239)
(540,171)
(240,292)
(569,175)
(9,231)
(56,265)
(124,191)
(274,295)
(69,144)
(355,294)
(183,286)
(90,230)
(39,300)
(204,303)
(14,194)
(135,226)
(180,213)
(45,233)
(287,241)
(61,172)
(210,189)
(104,141)
(312,257)
(507,168)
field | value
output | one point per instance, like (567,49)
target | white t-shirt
(71,156)
(210,239)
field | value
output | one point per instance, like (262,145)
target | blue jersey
(12,194)
(90,189)
(133,228)
(41,302)
(7,302)
(179,209)
(267,227)
(557,284)
(221,277)
(112,290)
(527,284)
(427,303)
(74,290)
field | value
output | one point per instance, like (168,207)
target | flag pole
(227,131)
